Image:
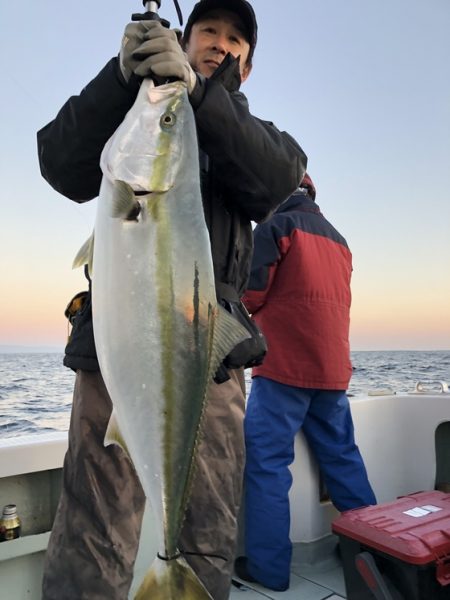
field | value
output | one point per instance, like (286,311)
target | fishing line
(168,558)
(202,554)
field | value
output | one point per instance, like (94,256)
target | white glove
(149,49)
(132,38)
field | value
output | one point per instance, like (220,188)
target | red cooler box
(400,550)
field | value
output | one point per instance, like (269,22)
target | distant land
(11,349)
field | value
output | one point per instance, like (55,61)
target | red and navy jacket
(299,295)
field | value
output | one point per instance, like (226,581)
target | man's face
(212,37)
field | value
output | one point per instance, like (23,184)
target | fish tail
(171,580)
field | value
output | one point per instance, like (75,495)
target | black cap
(241,7)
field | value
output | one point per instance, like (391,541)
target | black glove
(149,48)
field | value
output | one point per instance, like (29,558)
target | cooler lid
(413,528)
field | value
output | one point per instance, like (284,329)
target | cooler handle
(443,570)
(368,570)
(437,542)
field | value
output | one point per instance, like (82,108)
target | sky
(363,86)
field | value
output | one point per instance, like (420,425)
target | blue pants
(275,413)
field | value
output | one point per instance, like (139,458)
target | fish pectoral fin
(171,580)
(85,254)
(124,204)
(114,435)
(228,332)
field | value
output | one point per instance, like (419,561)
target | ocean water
(36,389)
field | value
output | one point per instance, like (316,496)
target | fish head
(146,150)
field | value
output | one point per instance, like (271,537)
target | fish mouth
(154,192)
(127,203)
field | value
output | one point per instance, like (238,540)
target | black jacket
(248,167)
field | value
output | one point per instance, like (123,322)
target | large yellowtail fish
(159,332)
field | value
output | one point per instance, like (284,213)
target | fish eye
(168,120)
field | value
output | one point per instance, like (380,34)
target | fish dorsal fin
(124,204)
(228,332)
(113,434)
(85,255)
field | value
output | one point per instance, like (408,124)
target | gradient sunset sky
(363,86)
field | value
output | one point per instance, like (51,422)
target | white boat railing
(32,453)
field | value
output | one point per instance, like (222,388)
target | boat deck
(324,581)
(30,476)
(305,584)
(305,592)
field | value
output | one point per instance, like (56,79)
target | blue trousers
(275,413)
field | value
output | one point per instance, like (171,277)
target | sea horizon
(52,349)
(36,389)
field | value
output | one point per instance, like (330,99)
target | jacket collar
(228,74)
(300,200)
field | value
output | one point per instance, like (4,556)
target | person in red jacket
(299,295)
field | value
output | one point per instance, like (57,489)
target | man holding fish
(246,167)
